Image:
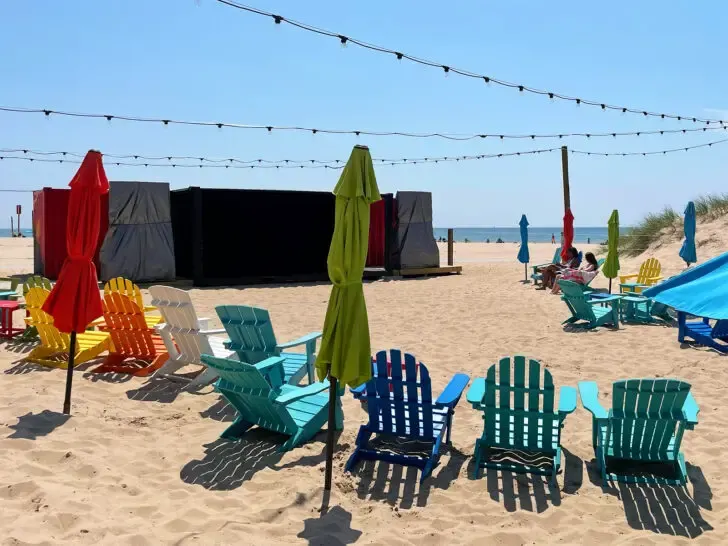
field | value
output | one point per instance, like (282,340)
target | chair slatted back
(180,318)
(574,293)
(650,268)
(36,281)
(518,406)
(645,415)
(250,392)
(250,331)
(49,335)
(399,397)
(126,288)
(129,332)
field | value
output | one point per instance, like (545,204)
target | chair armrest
(454,390)
(203,322)
(268,366)
(300,341)
(589,393)
(212,332)
(690,409)
(652,280)
(303,392)
(163,331)
(624,278)
(607,299)
(567,400)
(476,392)
(358,391)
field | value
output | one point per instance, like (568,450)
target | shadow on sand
(30,426)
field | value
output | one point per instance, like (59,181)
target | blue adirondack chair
(645,424)
(401,406)
(702,332)
(596,312)
(261,397)
(538,277)
(252,338)
(529,429)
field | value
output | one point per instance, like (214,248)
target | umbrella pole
(525,272)
(610,286)
(330,432)
(69,375)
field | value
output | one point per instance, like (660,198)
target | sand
(141,463)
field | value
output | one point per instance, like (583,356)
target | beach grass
(669,223)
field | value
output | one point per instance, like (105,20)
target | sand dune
(141,463)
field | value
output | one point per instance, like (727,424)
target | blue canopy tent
(523,255)
(703,292)
(687,252)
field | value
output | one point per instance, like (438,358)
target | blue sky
(206,61)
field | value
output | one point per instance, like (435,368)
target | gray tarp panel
(139,244)
(415,236)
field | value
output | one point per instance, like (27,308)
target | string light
(657,152)
(359,132)
(257,163)
(603,105)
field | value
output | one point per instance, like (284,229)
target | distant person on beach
(588,240)
(487,240)
(586,272)
(553,239)
(551,271)
(562,239)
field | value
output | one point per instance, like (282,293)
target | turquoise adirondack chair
(400,406)
(251,336)
(528,430)
(538,277)
(596,312)
(645,424)
(261,397)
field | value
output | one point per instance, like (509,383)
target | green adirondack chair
(36,281)
(261,397)
(529,429)
(645,424)
(596,312)
(9,288)
(251,336)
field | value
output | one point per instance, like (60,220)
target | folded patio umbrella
(523,255)
(75,300)
(568,233)
(610,269)
(345,353)
(687,251)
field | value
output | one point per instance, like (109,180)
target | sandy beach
(141,463)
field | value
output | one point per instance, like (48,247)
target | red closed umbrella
(568,233)
(75,300)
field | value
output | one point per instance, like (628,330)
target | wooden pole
(12,229)
(565,175)
(450,252)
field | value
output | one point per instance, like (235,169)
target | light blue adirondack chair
(596,312)
(702,332)
(645,424)
(261,397)
(527,430)
(538,277)
(252,338)
(399,404)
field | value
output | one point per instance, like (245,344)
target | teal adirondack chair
(596,312)
(528,430)
(251,336)
(536,276)
(645,424)
(261,397)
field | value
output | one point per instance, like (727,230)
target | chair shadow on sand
(157,389)
(32,425)
(228,464)
(662,509)
(399,485)
(221,411)
(532,492)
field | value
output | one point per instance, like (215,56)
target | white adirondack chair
(186,336)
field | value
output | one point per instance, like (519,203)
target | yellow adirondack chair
(55,345)
(135,348)
(648,275)
(125,287)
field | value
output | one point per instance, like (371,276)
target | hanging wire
(657,152)
(448,69)
(358,132)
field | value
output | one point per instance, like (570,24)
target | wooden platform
(428,271)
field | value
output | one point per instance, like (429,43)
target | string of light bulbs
(448,69)
(360,132)
(657,152)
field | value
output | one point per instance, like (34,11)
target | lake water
(535,234)
(6,232)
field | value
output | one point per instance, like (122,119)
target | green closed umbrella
(345,353)
(610,269)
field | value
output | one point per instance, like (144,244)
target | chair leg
(362,441)
(292,442)
(476,458)
(434,457)
(205,378)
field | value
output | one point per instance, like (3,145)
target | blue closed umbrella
(687,252)
(523,256)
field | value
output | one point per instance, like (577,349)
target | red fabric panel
(375,257)
(568,233)
(50,213)
(75,300)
